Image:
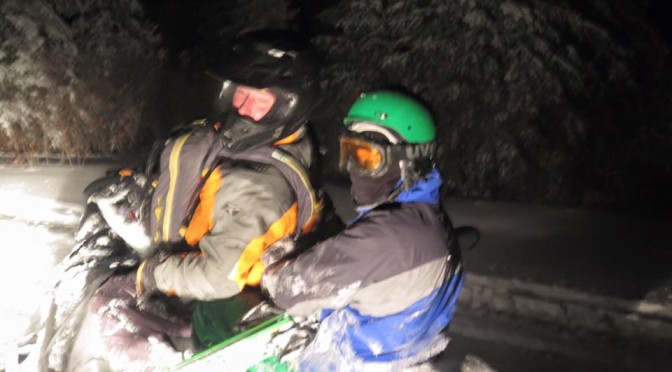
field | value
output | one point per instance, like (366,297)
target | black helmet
(278,61)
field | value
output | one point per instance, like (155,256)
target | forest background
(555,102)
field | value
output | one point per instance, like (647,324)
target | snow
(40,208)
(38,234)
(62,76)
(39,211)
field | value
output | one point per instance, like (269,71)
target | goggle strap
(413,151)
(403,152)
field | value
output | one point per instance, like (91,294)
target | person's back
(388,284)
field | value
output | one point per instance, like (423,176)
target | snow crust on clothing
(122,206)
(349,340)
(133,331)
(330,350)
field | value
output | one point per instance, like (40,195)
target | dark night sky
(182,25)
(552,102)
(177,18)
(661,16)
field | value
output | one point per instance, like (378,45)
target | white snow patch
(31,209)
(37,232)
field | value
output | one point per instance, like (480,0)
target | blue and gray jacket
(391,279)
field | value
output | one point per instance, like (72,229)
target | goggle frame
(390,153)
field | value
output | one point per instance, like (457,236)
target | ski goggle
(372,158)
(366,156)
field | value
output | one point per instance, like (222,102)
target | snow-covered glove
(145,284)
(121,204)
(275,257)
(288,343)
(269,280)
(278,251)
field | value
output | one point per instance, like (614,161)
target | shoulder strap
(214,154)
(309,203)
(185,163)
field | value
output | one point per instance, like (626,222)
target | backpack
(186,161)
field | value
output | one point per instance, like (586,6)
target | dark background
(522,117)
(556,102)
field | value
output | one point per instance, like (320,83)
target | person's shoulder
(253,178)
(251,174)
(302,148)
(408,215)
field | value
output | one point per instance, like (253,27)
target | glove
(269,281)
(288,343)
(277,251)
(121,204)
(144,277)
(274,258)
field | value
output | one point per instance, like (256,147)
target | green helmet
(396,111)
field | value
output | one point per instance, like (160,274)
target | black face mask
(367,190)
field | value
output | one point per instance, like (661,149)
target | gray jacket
(383,263)
(245,207)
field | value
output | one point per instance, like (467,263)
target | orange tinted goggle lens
(364,155)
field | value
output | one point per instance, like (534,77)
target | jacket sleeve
(380,265)
(321,278)
(247,204)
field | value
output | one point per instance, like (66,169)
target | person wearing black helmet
(227,190)
(281,66)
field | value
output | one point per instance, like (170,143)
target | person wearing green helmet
(386,287)
(390,137)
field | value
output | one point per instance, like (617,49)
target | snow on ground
(37,232)
(40,209)
(39,212)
